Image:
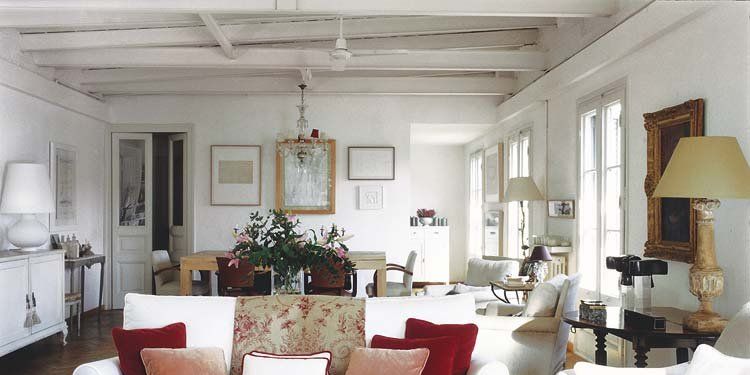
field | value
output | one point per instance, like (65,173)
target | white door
(177,195)
(14,277)
(132,164)
(47,289)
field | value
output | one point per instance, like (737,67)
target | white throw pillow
(542,301)
(259,363)
(707,360)
(585,368)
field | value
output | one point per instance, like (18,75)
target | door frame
(189,191)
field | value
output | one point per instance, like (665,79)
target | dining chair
(396,289)
(166,277)
(237,280)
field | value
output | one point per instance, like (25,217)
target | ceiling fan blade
(378,52)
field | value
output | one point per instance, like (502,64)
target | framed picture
(493,174)
(672,224)
(235,175)
(63,162)
(54,241)
(306,185)
(372,163)
(565,209)
(370,197)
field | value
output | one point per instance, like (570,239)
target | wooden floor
(49,357)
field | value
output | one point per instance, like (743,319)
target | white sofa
(479,273)
(210,322)
(734,341)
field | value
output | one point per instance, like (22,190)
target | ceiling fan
(340,53)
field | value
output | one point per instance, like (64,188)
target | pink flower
(234,262)
(341,252)
(291,217)
(230,255)
(243,238)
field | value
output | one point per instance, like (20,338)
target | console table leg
(601,347)
(640,356)
(682,355)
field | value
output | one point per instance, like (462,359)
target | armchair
(166,276)
(396,289)
(734,341)
(478,276)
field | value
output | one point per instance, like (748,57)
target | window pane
(588,261)
(132,182)
(588,143)
(612,126)
(475,204)
(612,195)
(513,242)
(589,215)
(612,247)
(524,156)
(513,160)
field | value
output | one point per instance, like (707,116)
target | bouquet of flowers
(425,212)
(330,252)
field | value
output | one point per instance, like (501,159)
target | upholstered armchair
(397,289)
(479,273)
(166,276)
(734,342)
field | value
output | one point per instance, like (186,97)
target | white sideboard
(432,245)
(36,275)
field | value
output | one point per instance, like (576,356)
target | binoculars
(631,265)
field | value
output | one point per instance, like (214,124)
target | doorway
(150,206)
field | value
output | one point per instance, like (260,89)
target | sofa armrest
(590,368)
(109,366)
(487,366)
(519,324)
(438,290)
(502,309)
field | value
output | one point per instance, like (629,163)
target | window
(475,204)
(518,166)
(601,187)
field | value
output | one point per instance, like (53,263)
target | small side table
(87,261)
(505,287)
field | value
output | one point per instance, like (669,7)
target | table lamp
(27,192)
(522,189)
(705,169)
(539,257)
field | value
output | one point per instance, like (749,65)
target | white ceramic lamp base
(28,234)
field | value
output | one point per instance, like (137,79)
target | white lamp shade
(706,167)
(522,189)
(26,190)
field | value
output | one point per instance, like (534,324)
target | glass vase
(287,281)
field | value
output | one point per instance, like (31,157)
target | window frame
(598,103)
(477,156)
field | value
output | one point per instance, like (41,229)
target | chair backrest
(735,340)
(160,260)
(242,276)
(565,304)
(411,261)
(481,271)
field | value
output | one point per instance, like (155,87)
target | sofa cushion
(480,272)
(442,351)
(259,363)
(129,344)
(708,360)
(387,316)
(369,361)
(209,321)
(190,361)
(464,334)
(542,301)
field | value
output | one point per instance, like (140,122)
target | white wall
(437,181)
(351,120)
(701,55)
(27,125)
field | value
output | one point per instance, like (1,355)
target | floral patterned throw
(289,324)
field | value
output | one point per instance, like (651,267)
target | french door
(132,166)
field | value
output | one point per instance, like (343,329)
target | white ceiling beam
(218,35)
(277,58)
(524,8)
(275,32)
(319,85)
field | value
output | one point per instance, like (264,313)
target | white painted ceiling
(426,47)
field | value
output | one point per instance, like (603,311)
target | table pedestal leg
(601,347)
(640,352)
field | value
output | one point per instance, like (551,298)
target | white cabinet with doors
(38,276)
(432,245)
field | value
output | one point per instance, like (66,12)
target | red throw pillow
(465,335)
(130,342)
(442,351)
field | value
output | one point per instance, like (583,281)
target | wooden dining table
(206,261)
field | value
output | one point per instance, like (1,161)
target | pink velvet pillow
(369,361)
(190,361)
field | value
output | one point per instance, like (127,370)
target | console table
(75,263)
(505,287)
(206,261)
(675,336)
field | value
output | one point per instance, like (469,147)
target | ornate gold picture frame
(671,221)
(309,186)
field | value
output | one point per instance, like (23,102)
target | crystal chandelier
(305,143)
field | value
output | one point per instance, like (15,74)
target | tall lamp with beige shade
(706,169)
(521,189)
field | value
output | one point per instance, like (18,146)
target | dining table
(206,261)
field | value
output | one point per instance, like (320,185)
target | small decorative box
(594,311)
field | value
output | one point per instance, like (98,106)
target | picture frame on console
(236,175)
(672,226)
(564,209)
